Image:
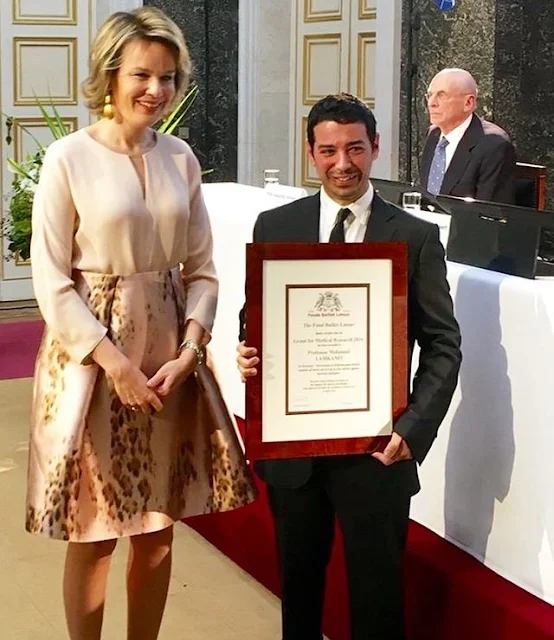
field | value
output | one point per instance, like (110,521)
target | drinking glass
(411,201)
(271,177)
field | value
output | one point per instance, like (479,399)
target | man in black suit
(370,494)
(464,155)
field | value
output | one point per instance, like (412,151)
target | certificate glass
(327,348)
(329,323)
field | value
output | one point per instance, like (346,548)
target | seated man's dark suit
(370,499)
(482,166)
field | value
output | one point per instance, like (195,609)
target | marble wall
(211,31)
(464,37)
(508,45)
(524,80)
(262,140)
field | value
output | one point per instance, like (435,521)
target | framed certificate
(330,325)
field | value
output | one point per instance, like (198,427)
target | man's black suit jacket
(482,166)
(430,322)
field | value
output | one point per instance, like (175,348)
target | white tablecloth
(233,209)
(488,481)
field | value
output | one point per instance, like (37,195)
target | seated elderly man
(464,155)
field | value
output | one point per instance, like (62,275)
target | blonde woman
(121,441)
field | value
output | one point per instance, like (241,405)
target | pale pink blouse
(89,213)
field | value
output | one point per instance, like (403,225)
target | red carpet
(449,594)
(19,342)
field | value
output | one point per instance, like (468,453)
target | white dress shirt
(355,224)
(454,138)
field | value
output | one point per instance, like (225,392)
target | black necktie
(337,233)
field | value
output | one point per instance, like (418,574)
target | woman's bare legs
(84,587)
(148,574)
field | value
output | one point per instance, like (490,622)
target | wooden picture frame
(333,374)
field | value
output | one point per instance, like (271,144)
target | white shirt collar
(355,225)
(457,134)
(360,208)
(454,138)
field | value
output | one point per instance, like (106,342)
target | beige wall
(264,88)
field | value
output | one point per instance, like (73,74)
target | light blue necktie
(438,167)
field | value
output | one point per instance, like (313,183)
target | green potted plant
(16,226)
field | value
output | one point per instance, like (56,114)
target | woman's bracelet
(192,344)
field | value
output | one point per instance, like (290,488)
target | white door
(44,51)
(354,46)
(44,47)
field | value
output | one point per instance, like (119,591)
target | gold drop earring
(108,110)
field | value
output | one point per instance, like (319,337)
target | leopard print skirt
(98,470)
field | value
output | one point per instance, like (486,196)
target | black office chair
(530,185)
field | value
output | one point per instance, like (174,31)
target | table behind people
(233,209)
(487,482)
(488,479)
(521,243)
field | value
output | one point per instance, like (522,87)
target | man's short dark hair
(343,108)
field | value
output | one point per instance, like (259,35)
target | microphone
(445,5)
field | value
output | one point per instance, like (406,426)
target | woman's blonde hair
(145,23)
